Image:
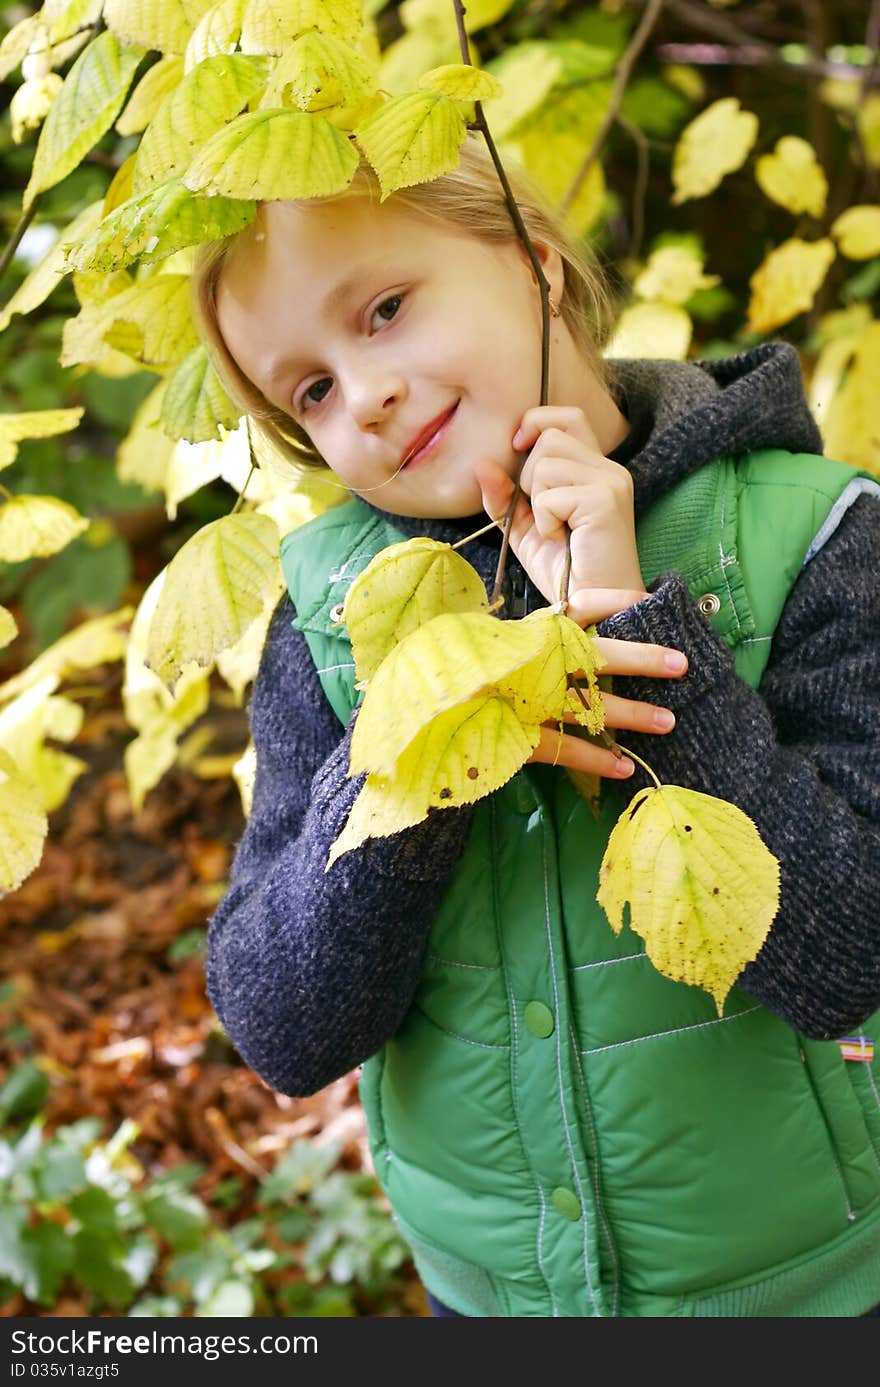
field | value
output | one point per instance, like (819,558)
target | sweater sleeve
(801,756)
(310,973)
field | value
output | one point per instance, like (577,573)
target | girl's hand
(570,494)
(623,657)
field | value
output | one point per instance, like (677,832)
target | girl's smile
(406,348)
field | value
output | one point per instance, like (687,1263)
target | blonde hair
(470,197)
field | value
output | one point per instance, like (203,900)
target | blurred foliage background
(142,1169)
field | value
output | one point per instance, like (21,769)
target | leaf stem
(19,229)
(644,765)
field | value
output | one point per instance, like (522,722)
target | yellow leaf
(52,268)
(787,282)
(868,122)
(215,587)
(828,374)
(318,72)
(94,642)
(438,15)
(87,105)
(18,42)
(404,60)
(159,715)
(244,773)
(121,185)
(31,104)
(461,82)
(144,454)
(23,825)
(702,886)
(203,103)
(412,139)
(166,26)
(793,176)
(217,32)
(274,155)
(850,432)
(857,232)
(553,160)
(157,82)
(8,627)
(194,465)
(38,423)
(26,722)
(673,274)
(528,73)
(539,690)
(37,526)
(151,322)
(714,144)
(450,660)
(66,17)
(269,26)
(238,664)
(462,755)
(651,330)
(404,586)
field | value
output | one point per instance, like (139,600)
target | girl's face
(406,349)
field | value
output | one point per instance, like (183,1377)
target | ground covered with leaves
(143,1168)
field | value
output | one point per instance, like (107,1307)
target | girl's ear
(551,263)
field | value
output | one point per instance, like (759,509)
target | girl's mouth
(430,446)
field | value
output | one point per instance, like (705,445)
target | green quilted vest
(560,1129)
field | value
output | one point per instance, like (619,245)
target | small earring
(554,308)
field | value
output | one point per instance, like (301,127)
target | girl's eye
(309,398)
(395,301)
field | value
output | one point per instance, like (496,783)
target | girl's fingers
(588,606)
(558,749)
(628,713)
(634,657)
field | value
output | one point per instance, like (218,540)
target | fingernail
(517,438)
(624,768)
(664,718)
(675,661)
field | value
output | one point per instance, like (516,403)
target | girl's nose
(374,399)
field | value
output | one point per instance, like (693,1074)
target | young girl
(560,1129)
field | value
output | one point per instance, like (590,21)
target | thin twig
(543,286)
(624,71)
(640,190)
(20,228)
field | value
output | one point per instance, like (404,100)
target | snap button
(336,612)
(539,1020)
(709,604)
(566,1203)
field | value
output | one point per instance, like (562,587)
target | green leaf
(412,139)
(230,566)
(231,1298)
(461,82)
(178,1216)
(84,109)
(158,223)
(62,1172)
(166,26)
(204,102)
(15,1256)
(99,1262)
(272,155)
(299,1171)
(82,575)
(49,1254)
(195,404)
(25,1091)
(95,1209)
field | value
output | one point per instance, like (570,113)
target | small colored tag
(856,1047)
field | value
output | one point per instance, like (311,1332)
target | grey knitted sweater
(311,973)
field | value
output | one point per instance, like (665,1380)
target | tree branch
(627,63)
(20,228)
